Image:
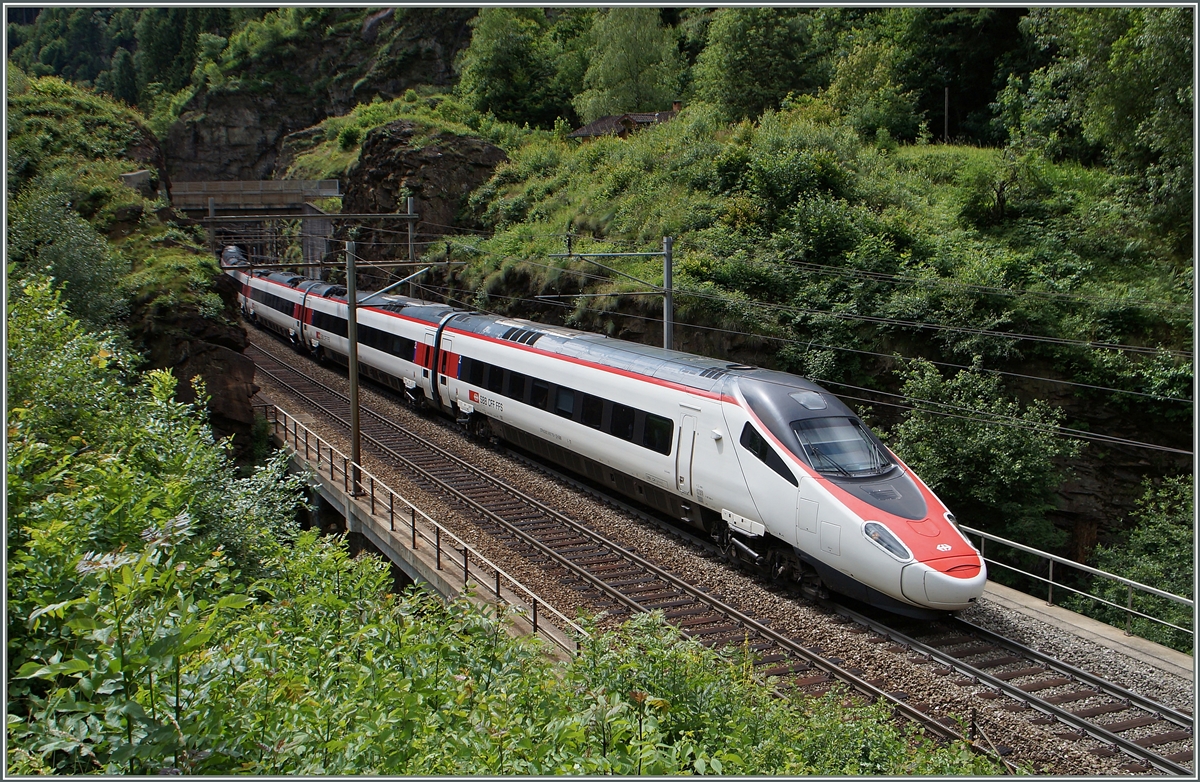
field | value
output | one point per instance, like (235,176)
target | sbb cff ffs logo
(484,401)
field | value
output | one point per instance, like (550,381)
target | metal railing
(1130,584)
(391,508)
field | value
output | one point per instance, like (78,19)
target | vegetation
(164,613)
(1157,552)
(166,616)
(113,250)
(821,239)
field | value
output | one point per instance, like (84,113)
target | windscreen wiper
(831,462)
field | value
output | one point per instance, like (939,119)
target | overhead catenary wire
(988,289)
(591,276)
(980,416)
(786,308)
(994,290)
(892,321)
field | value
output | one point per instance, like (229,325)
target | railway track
(1082,705)
(1152,735)
(622,582)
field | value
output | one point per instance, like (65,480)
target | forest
(975,224)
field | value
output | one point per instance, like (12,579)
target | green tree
(123,81)
(633,65)
(999,476)
(1157,552)
(867,89)
(67,42)
(48,236)
(160,47)
(755,57)
(509,70)
(1120,82)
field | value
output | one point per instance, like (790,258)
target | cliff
(235,130)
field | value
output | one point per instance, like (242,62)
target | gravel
(1037,746)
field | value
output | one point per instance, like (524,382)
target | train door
(772,483)
(683,456)
(807,507)
(425,359)
(447,360)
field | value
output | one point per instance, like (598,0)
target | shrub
(47,236)
(349,137)
(998,477)
(1156,552)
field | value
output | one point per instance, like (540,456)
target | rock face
(235,131)
(191,344)
(439,171)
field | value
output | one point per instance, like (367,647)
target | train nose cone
(951,583)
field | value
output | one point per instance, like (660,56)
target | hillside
(991,260)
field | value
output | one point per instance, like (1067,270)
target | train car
(774,468)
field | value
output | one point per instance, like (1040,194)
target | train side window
(495,379)
(756,444)
(539,394)
(592,411)
(621,424)
(402,347)
(516,386)
(565,402)
(658,433)
(474,371)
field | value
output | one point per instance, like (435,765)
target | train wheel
(481,427)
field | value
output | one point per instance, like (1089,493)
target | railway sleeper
(610,559)
(1136,722)
(1019,673)
(626,582)
(1071,697)
(679,614)
(999,661)
(1163,738)
(614,572)
(795,666)
(771,658)
(808,681)
(1044,684)
(1095,711)
(953,640)
(971,651)
(653,603)
(581,548)
(653,598)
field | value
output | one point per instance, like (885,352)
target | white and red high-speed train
(773,467)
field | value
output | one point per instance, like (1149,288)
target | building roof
(622,124)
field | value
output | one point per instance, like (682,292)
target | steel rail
(1079,723)
(1168,713)
(1156,708)
(717,605)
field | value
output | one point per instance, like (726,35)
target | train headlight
(882,536)
(950,518)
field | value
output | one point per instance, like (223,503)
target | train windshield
(841,446)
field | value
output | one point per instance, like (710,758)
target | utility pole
(411,254)
(668,296)
(666,289)
(946,119)
(212,228)
(352,335)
